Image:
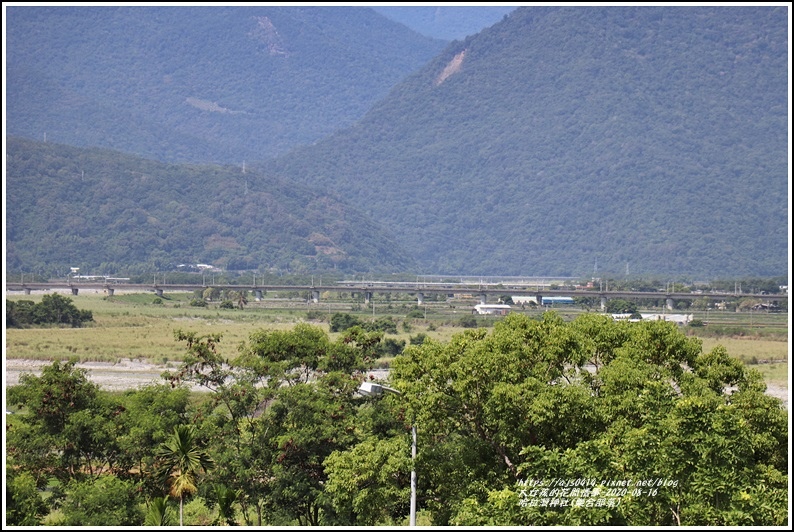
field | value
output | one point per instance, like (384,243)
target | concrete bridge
(367,289)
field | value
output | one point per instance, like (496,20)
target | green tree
(590,399)
(66,429)
(23,503)
(226,498)
(211,293)
(276,412)
(182,460)
(309,418)
(341,322)
(620,306)
(148,416)
(308,421)
(55,308)
(103,501)
(231,421)
(369,482)
(20,313)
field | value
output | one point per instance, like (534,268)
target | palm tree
(242,299)
(182,461)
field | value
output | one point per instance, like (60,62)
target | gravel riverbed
(123,375)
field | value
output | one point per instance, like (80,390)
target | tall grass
(134,326)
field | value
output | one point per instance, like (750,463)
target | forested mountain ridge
(109,212)
(445,21)
(200,84)
(561,138)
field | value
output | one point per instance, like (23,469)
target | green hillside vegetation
(200,84)
(561,138)
(110,212)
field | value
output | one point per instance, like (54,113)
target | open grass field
(140,326)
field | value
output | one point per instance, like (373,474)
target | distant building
(496,309)
(547,301)
(556,300)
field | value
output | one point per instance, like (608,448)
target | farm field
(136,330)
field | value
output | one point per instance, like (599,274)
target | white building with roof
(492,308)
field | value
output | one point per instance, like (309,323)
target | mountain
(562,140)
(445,21)
(200,84)
(109,212)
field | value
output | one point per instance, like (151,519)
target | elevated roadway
(420,289)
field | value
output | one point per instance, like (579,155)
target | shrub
(468,321)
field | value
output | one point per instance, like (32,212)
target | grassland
(141,326)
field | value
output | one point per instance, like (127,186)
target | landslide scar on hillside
(451,68)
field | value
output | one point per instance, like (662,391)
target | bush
(419,339)
(198,303)
(227,304)
(468,321)
(342,322)
(315,315)
(384,324)
(391,347)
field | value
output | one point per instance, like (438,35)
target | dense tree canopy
(537,421)
(200,83)
(536,406)
(563,136)
(54,309)
(108,212)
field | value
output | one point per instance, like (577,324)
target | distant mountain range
(446,21)
(565,140)
(107,212)
(200,84)
(558,141)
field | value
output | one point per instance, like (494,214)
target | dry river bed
(130,374)
(124,375)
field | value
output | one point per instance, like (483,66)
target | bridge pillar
(27,291)
(258,295)
(420,298)
(316,296)
(483,298)
(539,300)
(159,292)
(603,303)
(367,297)
(670,303)
(110,291)
(74,291)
